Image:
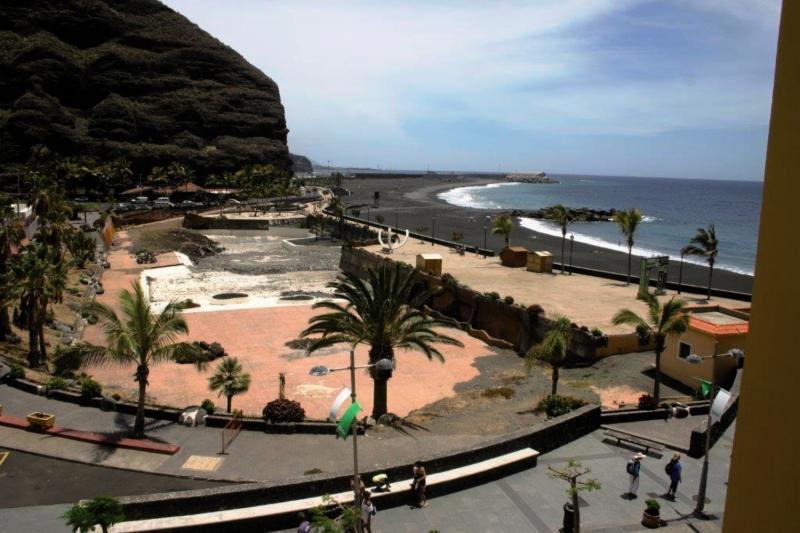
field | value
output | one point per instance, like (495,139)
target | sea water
(673,209)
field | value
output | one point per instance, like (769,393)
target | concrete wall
(193,221)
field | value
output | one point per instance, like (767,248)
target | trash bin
(569,518)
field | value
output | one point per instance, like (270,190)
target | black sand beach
(412,203)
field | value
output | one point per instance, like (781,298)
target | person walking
(368,510)
(673,470)
(633,468)
(418,484)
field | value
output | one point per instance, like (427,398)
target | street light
(694,359)
(680,273)
(433,231)
(384,365)
(571,244)
(485,230)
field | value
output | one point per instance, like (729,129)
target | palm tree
(12,232)
(563,217)
(705,244)
(503,225)
(38,280)
(382,312)
(628,221)
(553,348)
(229,379)
(661,320)
(139,338)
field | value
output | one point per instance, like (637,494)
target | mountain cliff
(134,79)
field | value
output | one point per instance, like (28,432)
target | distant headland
(530,177)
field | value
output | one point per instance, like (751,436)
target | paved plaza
(586,300)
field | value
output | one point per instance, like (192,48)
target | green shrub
(116,396)
(91,320)
(653,505)
(449,280)
(600,338)
(494,295)
(66,361)
(283,410)
(536,309)
(56,383)
(647,402)
(91,388)
(556,405)
(509,300)
(17,371)
(209,406)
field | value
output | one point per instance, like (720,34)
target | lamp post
(695,359)
(383,365)
(485,230)
(433,231)
(571,244)
(397,221)
(680,273)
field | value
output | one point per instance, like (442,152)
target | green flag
(705,388)
(343,429)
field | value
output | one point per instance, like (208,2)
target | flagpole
(356,479)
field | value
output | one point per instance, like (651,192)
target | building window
(684,350)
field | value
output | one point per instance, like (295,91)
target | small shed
(540,261)
(430,263)
(514,256)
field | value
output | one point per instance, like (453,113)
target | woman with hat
(633,468)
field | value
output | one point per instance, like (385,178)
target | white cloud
(354,74)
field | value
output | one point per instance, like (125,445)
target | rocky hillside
(301,163)
(131,78)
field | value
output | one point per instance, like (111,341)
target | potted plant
(652,514)
(41,420)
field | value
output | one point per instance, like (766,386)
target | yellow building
(712,330)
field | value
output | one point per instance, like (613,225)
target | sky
(673,88)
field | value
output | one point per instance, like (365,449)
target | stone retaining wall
(194,221)
(483,316)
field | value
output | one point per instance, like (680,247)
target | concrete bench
(291,508)
(642,442)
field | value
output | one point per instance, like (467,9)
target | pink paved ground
(258,336)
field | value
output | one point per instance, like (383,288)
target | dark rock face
(301,163)
(134,79)
(578,214)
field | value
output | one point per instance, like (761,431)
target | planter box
(41,420)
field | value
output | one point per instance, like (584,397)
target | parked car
(141,200)
(81,199)
(191,203)
(124,206)
(162,201)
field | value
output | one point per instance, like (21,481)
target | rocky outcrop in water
(134,79)
(536,177)
(579,214)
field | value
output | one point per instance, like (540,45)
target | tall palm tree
(705,244)
(661,320)
(563,217)
(553,348)
(628,221)
(382,312)
(503,225)
(12,232)
(229,379)
(38,281)
(138,338)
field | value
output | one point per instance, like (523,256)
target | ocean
(673,209)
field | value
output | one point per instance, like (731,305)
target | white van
(162,201)
(140,200)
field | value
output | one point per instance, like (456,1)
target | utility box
(514,256)
(430,263)
(540,261)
